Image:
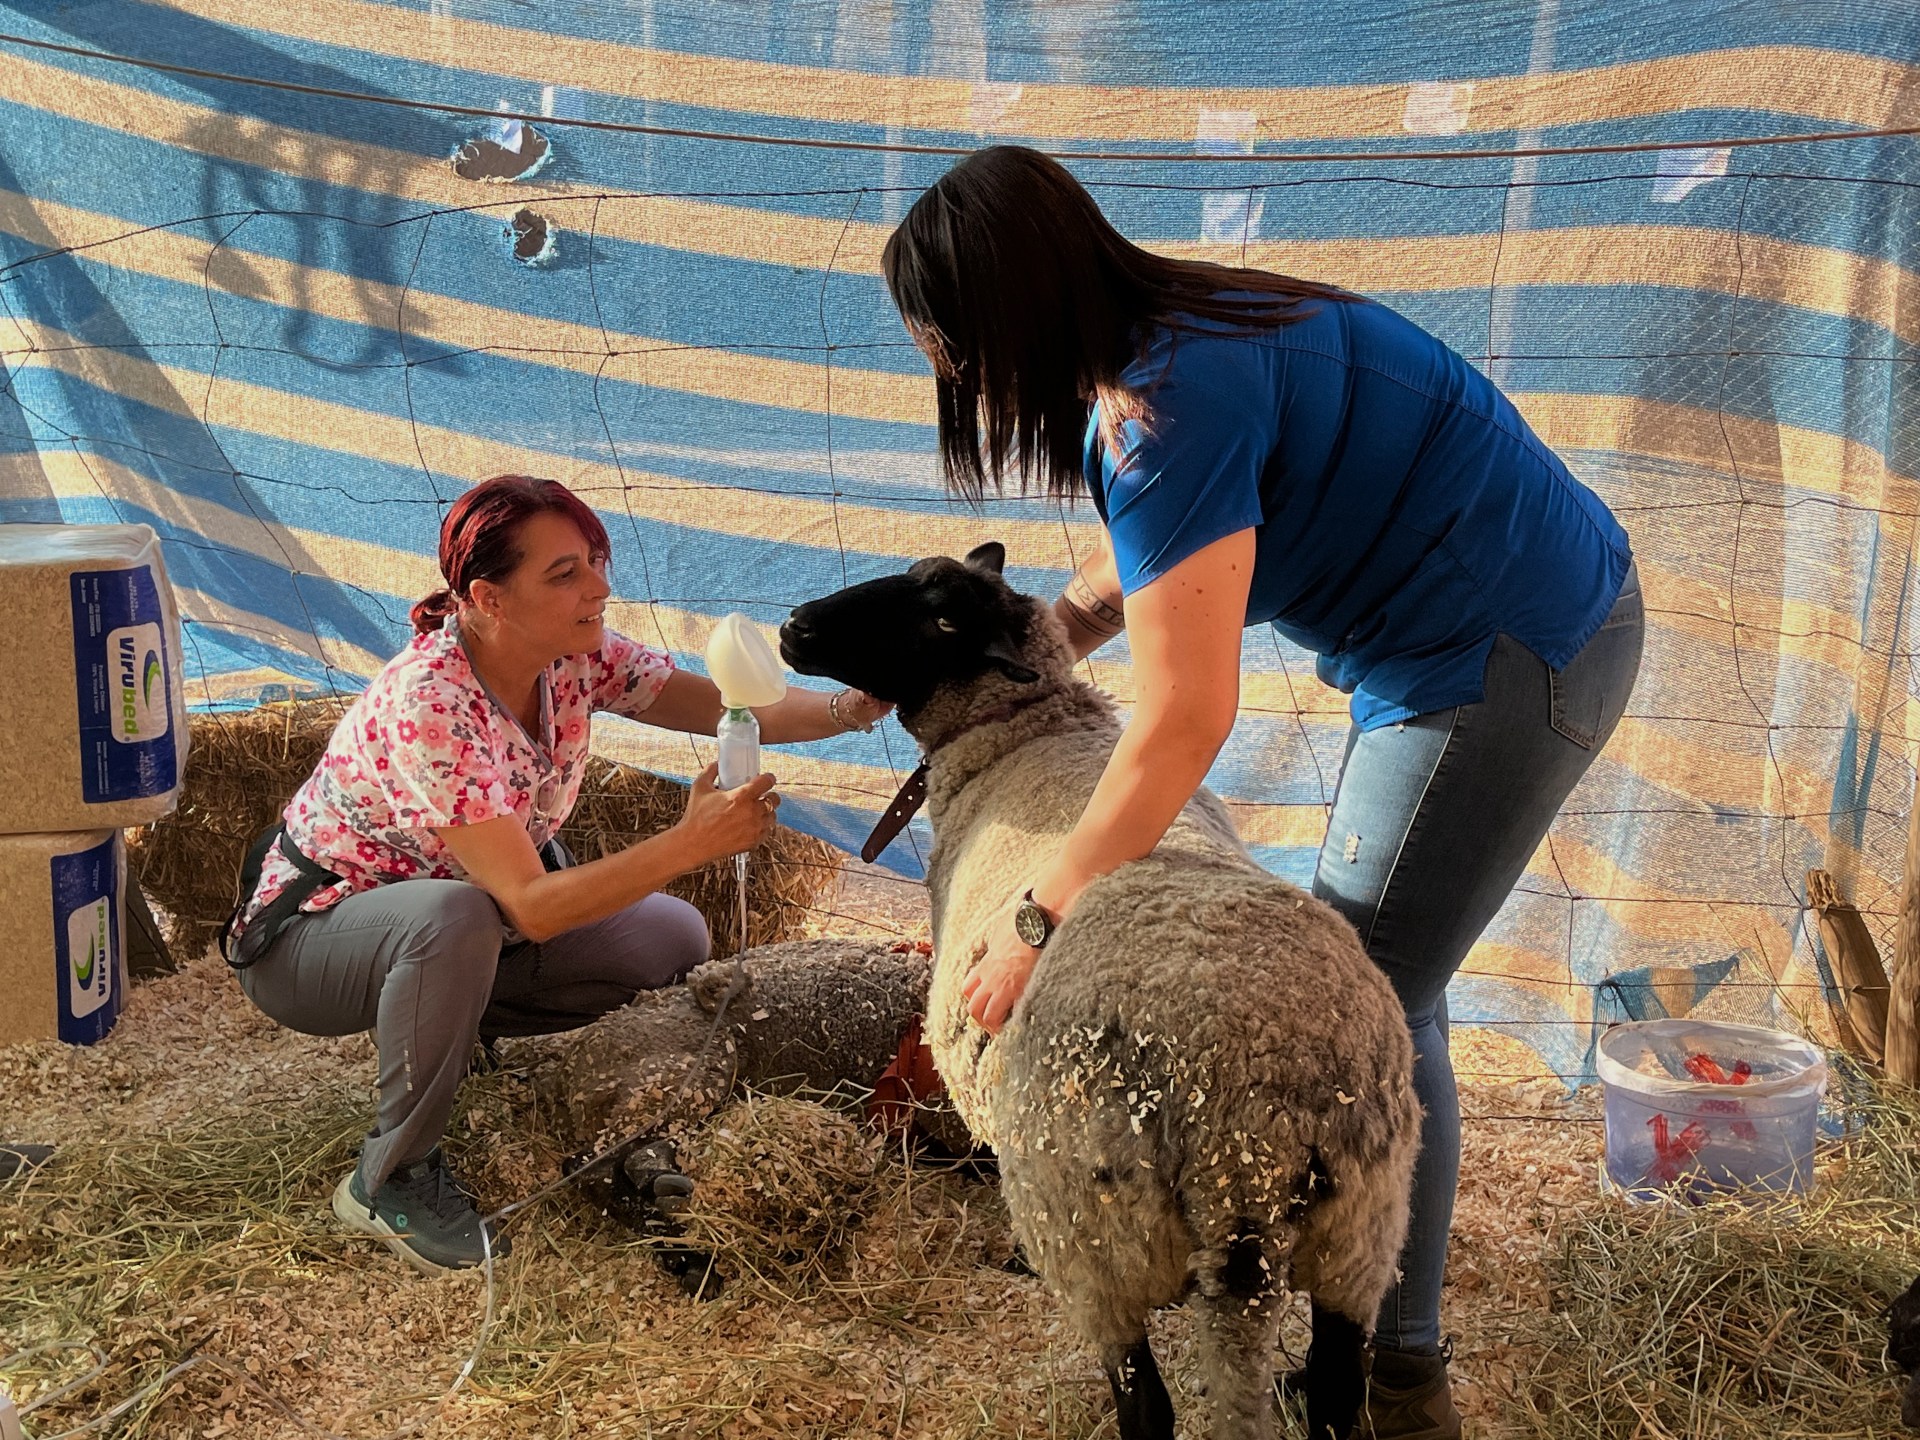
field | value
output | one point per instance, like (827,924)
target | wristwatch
(1031,923)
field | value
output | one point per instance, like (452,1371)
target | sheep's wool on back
(92,708)
(62,910)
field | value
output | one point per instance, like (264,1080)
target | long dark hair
(480,538)
(1031,305)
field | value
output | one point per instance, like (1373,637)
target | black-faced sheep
(1205,1090)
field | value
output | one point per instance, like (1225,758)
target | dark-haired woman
(1262,450)
(416,886)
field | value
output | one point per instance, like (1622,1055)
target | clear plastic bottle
(739,736)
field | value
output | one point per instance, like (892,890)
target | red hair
(480,538)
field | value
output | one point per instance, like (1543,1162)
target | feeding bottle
(743,665)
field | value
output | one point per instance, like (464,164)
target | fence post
(1903,1005)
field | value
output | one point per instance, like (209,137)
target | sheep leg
(1236,1337)
(1335,1380)
(1145,1410)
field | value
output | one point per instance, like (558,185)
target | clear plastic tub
(1697,1108)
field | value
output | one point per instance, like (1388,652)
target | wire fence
(1712,333)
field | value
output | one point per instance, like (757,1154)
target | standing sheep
(1205,1091)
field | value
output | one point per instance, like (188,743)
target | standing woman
(1264,450)
(416,885)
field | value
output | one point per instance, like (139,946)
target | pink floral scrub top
(428,746)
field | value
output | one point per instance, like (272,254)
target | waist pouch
(265,927)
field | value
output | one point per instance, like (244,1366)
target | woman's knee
(458,925)
(661,938)
(680,938)
(652,943)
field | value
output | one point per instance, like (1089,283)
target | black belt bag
(555,856)
(265,927)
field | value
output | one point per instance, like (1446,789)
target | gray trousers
(423,965)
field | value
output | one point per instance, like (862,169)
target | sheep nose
(796,629)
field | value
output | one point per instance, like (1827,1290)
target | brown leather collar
(913,793)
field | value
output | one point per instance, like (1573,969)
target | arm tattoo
(1091,610)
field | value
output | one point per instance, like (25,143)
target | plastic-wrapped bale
(62,909)
(91,699)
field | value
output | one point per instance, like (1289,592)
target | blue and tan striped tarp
(248,300)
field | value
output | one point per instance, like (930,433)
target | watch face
(1030,924)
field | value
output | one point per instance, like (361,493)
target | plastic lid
(743,665)
(1650,1057)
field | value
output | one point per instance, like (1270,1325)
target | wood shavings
(910,1328)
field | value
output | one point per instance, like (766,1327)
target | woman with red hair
(416,885)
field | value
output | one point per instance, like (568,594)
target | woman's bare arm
(1091,605)
(499,857)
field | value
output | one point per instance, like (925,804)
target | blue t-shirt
(1404,513)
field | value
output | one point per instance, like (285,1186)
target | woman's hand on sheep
(999,977)
(857,710)
(719,823)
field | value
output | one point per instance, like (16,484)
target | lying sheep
(1205,1091)
(814,1015)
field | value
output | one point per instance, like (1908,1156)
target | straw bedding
(867,1296)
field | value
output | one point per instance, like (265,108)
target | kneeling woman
(416,886)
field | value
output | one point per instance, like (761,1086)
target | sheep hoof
(658,1185)
(694,1269)
(639,1186)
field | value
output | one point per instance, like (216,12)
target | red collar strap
(913,793)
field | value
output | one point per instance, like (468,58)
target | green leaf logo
(83,972)
(147,679)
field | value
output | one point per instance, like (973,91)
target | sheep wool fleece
(1206,1087)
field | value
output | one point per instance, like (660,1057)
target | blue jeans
(1433,823)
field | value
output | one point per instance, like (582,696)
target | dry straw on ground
(865,1297)
(1721,1320)
(244,768)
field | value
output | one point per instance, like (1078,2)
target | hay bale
(242,770)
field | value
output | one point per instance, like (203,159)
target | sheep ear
(991,557)
(1002,654)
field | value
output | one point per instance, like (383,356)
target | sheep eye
(946,624)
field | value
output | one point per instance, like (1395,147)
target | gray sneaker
(423,1214)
